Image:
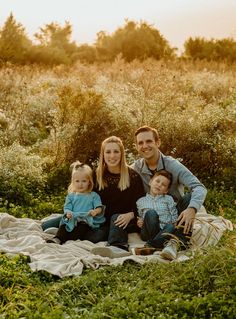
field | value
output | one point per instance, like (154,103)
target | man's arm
(197,190)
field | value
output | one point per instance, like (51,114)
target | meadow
(50,117)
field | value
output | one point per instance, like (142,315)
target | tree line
(135,40)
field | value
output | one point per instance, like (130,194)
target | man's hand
(187,217)
(124,219)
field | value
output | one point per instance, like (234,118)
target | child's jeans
(152,233)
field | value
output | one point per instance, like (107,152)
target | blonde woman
(119,187)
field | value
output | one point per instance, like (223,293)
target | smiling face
(147,146)
(81,182)
(159,185)
(112,155)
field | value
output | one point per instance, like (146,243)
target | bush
(21,174)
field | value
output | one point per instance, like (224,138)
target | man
(147,145)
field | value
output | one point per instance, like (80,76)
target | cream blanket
(25,236)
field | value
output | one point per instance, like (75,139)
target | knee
(114,218)
(170,228)
(151,214)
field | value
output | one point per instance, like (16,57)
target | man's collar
(160,165)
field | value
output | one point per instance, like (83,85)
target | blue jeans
(119,236)
(53,222)
(96,235)
(152,233)
(162,236)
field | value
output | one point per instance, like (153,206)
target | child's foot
(170,250)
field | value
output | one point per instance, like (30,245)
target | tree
(200,48)
(87,53)
(134,41)
(55,45)
(14,44)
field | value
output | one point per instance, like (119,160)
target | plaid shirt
(164,205)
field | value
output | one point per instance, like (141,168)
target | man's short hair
(146,128)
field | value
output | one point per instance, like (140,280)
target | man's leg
(181,206)
(183,203)
(151,225)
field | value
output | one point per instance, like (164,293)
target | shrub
(21,174)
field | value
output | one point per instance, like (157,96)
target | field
(50,117)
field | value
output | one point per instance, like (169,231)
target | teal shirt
(80,205)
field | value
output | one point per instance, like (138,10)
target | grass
(202,287)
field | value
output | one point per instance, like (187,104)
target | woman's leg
(117,235)
(151,225)
(52,222)
(96,235)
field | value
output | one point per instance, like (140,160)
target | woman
(119,187)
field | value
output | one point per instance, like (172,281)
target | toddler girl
(83,209)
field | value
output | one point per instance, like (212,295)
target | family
(149,197)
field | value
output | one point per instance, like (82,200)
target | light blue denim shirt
(182,177)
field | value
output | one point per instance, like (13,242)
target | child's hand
(93,213)
(140,222)
(69,215)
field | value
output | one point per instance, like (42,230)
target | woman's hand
(124,219)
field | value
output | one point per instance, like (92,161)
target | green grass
(202,287)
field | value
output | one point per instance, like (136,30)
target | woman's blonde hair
(124,170)
(78,167)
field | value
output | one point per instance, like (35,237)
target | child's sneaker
(170,250)
(110,251)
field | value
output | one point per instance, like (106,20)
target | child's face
(81,182)
(159,185)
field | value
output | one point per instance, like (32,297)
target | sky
(176,20)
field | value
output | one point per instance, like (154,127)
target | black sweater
(117,201)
